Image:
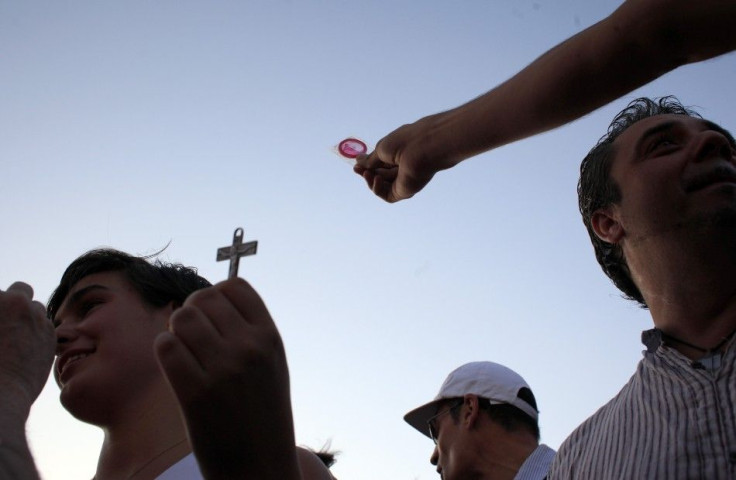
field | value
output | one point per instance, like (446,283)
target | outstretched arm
(225,361)
(640,41)
(27,345)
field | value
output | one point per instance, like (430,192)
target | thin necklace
(156,457)
(672,339)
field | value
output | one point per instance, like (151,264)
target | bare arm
(640,41)
(15,456)
(26,352)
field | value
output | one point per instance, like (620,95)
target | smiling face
(105,357)
(674,172)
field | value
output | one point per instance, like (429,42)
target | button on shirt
(675,419)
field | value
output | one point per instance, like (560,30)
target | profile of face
(105,357)
(450,454)
(673,172)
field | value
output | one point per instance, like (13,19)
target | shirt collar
(651,339)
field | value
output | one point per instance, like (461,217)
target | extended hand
(405,160)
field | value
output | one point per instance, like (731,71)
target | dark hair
(328,457)
(597,190)
(509,417)
(158,283)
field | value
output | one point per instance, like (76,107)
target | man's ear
(606,226)
(471,411)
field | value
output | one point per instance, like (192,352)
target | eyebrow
(662,127)
(73,299)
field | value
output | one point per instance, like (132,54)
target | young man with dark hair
(658,196)
(596,189)
(167,365)
(640,41)
(484,423)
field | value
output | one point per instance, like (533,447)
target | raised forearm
(640,41)
(16,462)
(26,352)
(636,44)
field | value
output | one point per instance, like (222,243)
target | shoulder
(594,433)
(311,466)
(537,464)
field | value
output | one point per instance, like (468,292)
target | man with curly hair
(658,197)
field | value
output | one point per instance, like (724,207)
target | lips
(720,174)
(69,358)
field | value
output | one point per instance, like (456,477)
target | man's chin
(68,397)
(76,402)
(725,217)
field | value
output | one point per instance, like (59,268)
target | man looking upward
(658,197)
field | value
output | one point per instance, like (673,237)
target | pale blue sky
(132,124)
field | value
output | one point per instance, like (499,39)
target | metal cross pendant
(235,251)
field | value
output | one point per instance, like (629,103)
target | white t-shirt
(184,469)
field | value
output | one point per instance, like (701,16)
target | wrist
(16,460)
(15,405)
(440,139)
(458,134)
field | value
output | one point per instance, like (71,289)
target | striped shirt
(675,419)
(536,465)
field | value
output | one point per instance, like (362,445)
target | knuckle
(16,301)
(182,315)
(184,318)
(200,296)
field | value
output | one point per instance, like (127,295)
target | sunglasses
(432,421)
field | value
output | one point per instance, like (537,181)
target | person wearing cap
(485,425)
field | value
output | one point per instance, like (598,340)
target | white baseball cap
(488,380)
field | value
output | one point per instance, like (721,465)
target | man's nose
(712,143)
(435,456)
(65,334)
